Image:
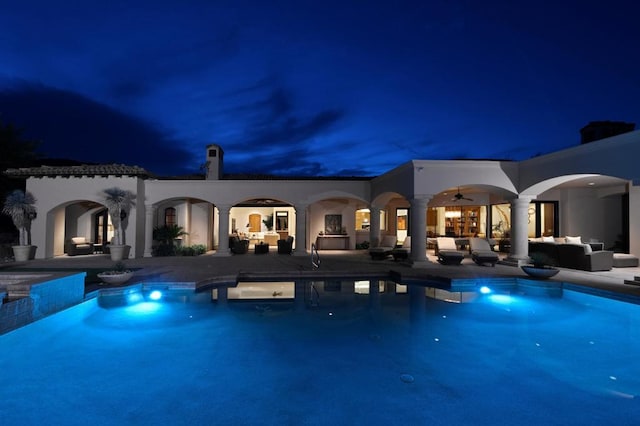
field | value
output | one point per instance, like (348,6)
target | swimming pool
(370,357)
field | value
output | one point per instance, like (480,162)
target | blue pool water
(395,359)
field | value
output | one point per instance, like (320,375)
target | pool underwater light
(155,295)
(485,290)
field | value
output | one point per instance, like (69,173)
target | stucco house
(591,190)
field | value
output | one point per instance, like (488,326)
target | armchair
(238,246)
(78,245)
(285,246)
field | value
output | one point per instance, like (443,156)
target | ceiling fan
(458,196)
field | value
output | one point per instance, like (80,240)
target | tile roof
(77,171)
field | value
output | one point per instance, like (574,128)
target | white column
(374,226)
(634,218)
(301,230)
(519,253)
(418,230)
(223,230)
(149,212)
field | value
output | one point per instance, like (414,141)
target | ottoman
(624,260)
(262,248)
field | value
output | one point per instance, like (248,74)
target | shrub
(194,250)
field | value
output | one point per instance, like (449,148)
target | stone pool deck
(207,267)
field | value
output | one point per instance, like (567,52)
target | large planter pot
(21,253)
(540,273)
(115,279)
(119,252)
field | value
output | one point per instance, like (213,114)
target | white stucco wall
(590,214)
(54,194)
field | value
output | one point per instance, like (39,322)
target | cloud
(277,137)
(72,126)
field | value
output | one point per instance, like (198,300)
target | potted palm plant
(20,205)
(119,203)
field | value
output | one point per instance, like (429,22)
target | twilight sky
(321,88)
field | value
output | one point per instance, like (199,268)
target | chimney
(597,130)
(214,162)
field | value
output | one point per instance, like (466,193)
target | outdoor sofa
(78,246)
(575,255)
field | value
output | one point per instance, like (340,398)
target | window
(362,219)
(170,216)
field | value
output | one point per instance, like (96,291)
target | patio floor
(334,262)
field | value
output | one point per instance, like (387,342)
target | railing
(315,257)
(315,264)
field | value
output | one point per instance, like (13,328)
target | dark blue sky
(314,87)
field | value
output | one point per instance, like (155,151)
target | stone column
(301,230)
(634,219)
(418,230)
(374,226)
(519,253)
(149,211)
(223,230)
(223,296)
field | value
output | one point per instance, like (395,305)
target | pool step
(634,281)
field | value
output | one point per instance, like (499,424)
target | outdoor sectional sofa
(574,256)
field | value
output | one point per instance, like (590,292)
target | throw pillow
(548,239)
(587,249)
(573,240)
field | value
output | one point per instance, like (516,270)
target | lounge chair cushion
(450,257)
(447,251)
(481,252)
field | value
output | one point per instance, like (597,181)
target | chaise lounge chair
(447,251)
(383,250)
(404,251)
(481,252)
